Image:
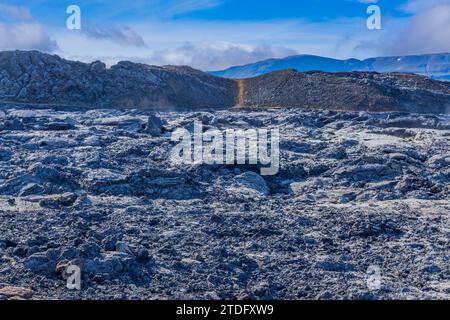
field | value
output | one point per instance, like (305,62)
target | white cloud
(205,56)
(427,32)
(416,6)
(15,12)
(208,45)
(22,32)
(184,6)
(212,45)
(368,1)
(123,35)
(25,36)
(217,55)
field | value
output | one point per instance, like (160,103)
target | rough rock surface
(355,190)
(354,91)
(37,78)
(33,77)
(16,293)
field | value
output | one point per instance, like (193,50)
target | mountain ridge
(31,77)
(354,91)
(436,66)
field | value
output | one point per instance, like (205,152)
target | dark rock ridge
(355,91)
(36,78)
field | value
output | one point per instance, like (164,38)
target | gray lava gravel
(97,189)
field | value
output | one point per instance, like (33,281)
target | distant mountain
(436,66)
(31,77)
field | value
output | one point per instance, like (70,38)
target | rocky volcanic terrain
(355,190)
(33,77)
(356,91)
(47,79)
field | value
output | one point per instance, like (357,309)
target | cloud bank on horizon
(215,34)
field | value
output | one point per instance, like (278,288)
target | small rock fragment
(123,248)
(64,200)
(154,125)
(12,292)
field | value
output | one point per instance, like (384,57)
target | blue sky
(213,34)
(230,10)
